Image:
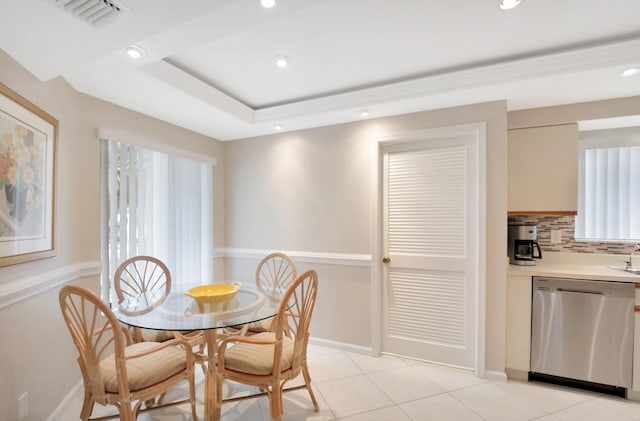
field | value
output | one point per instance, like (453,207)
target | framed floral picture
(28,138)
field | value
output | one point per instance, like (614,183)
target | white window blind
(609,187)
(159,205)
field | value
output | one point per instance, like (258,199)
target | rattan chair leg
(307,382)
(276,403)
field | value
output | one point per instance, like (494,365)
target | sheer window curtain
(160,205)
(609,187)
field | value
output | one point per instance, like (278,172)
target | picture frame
(28,143)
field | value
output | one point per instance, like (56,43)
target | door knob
(386,259)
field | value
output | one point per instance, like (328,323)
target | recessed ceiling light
(282,61)
(135,52)
(268,4)
(278,127)
(364,113)
(508,4)
(631,71)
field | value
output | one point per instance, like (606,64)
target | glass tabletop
(182,312)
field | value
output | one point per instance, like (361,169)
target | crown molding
(575,60)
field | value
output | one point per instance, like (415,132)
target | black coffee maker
(523,245)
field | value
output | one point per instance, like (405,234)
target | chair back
(274,274)
(294,314)
(95,331)
(144,282)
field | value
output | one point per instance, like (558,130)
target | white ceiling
(210,63)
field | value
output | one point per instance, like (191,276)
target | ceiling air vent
(94,12)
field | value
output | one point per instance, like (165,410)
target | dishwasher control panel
(609,288)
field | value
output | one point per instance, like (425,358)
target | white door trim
(478,130)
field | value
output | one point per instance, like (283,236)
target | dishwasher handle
(582,286)
(580,291)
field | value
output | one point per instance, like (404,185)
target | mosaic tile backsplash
(566,225)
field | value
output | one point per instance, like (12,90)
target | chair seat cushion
(150,335)
(261,326)
(144,371)
(258,359)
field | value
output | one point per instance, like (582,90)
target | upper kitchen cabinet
(543,170)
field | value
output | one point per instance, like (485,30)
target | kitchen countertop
(581,271)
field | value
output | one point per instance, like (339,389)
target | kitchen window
(609,185)
(157,204)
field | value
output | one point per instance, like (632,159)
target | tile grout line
(524,399)
(444,392)
(465,405)
(374,384)
(317,389)
(593,399)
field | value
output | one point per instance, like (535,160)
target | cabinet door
(543,170)
(518,349)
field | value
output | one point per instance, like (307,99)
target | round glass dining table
(180,312)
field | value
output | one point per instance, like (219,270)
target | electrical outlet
(556,236)
(23,406)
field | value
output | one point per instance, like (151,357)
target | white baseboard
(61,409)
(500,376)
(342,346)
(512,373)
(21,289)
(633,395)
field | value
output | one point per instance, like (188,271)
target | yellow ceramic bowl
(214,293)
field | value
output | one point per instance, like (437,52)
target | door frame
(478,131)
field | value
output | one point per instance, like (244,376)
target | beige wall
(307,191)
(311,191)
(36,355)
(304,190)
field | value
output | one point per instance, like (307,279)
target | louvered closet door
(430,210)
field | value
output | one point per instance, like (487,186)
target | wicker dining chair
(114,371)
(270,359)
(274,274)
(146,281)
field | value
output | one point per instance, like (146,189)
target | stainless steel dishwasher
(582,330)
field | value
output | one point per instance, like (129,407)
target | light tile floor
(355,387)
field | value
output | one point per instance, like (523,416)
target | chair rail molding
(23,288)
(340,259)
